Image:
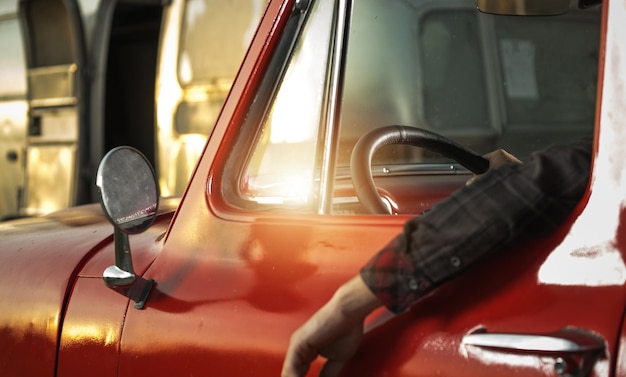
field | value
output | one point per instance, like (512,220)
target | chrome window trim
(331,126)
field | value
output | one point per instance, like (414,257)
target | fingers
(300,355)
(332,368)
(500,157)
(334,331)
(471,180)
(497,159)
(320,336)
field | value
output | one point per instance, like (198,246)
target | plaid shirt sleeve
(513,203)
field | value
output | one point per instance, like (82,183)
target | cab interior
(482,80)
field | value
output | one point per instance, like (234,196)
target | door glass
(282,168)
(487,81)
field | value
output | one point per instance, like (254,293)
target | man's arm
(510,204)
(334,331)
(497,209)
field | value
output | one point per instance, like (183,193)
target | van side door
(13,111)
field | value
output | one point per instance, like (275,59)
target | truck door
(54,54)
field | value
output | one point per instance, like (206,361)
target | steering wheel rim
(368,144)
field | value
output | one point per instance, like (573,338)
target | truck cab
(274,219)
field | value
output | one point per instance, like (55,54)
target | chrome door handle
(575,350)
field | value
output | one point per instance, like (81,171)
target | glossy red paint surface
(620,369)
(32,300)
(231,286)
(91,333)
(42,272)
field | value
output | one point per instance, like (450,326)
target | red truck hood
(40,258)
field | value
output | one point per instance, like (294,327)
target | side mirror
(129,196)
(524,7)
(128,189)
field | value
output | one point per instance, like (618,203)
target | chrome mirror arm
(122,273)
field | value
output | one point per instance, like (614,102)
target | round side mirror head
(128,188)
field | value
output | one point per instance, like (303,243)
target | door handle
(12,156)
(575,350)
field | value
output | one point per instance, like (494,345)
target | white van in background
(79,77)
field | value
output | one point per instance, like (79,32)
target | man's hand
(334,332)
(497,159)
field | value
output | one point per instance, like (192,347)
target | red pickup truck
(215,282)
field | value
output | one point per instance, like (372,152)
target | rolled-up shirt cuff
(393,279)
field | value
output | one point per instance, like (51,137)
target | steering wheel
(361,158)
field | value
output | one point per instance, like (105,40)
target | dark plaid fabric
(511,204)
